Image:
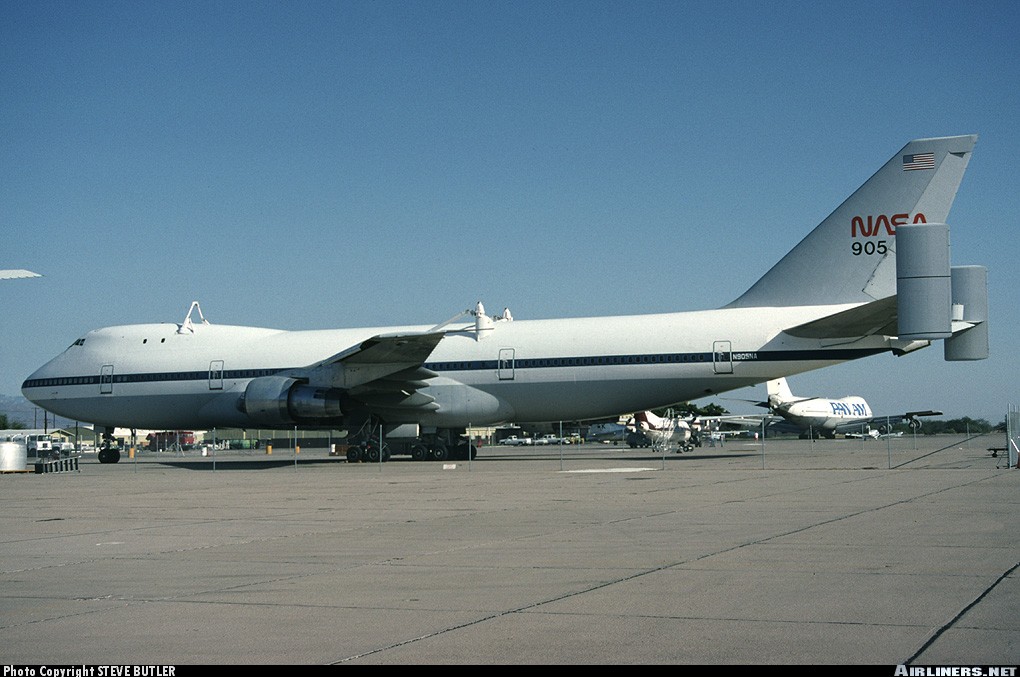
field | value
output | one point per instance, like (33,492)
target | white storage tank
(13,456)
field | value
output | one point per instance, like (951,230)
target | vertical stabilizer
(779,391)
(850,257)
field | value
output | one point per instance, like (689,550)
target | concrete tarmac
(835,552)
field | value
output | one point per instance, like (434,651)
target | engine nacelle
(277,400)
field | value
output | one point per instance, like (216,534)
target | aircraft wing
(383,372)
(737,421)
(17,274)
(405,349)
(912,414)
(909,416)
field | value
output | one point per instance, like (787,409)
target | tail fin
(779,389)
(647,420)
(850,257)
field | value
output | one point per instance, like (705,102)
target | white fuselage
(155,376)
(678,432)
(825,414)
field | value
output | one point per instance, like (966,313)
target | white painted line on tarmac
(594,470)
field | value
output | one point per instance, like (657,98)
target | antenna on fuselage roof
(188,325)
(482,321)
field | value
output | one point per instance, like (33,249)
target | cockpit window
(79,342)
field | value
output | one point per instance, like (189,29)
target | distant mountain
(20,410)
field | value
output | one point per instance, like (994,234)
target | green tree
(5,424)
(968,424)
(955,426)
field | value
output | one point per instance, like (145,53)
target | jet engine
(276,400)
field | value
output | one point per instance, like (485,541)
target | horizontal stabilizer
(877,317)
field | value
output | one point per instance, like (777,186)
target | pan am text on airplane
(873,277)
(822,416)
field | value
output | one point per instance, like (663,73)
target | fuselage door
(106,380)
(505,368)
(216,375)
(722,357)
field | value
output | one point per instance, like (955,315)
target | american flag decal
(918,161)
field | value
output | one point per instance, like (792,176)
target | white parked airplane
(607,431)
(871,434)
(831,299)
(665,432)
(824,417)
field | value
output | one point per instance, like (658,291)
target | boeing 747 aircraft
(840,294)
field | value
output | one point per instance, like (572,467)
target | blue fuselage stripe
(487,365)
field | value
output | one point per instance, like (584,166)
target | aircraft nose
(28,387)
(40,378)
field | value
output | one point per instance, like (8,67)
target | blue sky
(333,164)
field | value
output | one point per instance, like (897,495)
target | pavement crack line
(664,567)
(938,632)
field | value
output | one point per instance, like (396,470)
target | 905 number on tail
(869,248)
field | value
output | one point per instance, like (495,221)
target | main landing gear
(442,445)
(108,451)
(434,448)
(368,451)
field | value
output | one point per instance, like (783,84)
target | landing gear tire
(109,455)
(419,452)
(440,452)
(354,455)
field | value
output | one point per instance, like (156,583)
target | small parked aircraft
(667,432)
